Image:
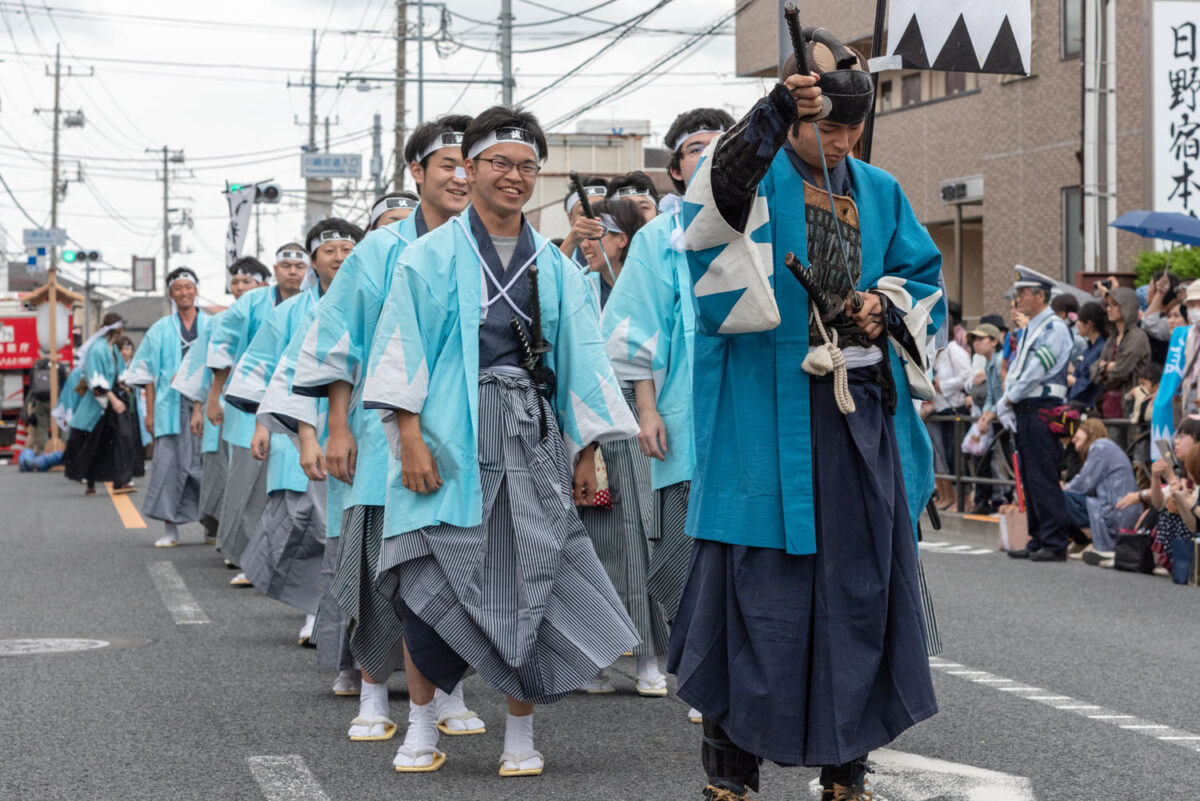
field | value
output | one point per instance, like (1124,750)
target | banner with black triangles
(959,36)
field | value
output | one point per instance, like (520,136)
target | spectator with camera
(36,406)
(1161,292)
(1171,496)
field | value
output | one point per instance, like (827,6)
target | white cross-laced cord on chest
(501,289)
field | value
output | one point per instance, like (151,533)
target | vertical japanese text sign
(1176,88)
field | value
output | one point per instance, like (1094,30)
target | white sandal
(529,763)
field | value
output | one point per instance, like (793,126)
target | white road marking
(962,550)
(285,778)
(1130,723)
(175,594)
(900,775)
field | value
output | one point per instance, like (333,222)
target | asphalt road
(1062,674)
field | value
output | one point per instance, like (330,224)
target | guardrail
(962,478)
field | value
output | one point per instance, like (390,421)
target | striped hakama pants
(215,471)
(243,503)
(283,558)
(622,537)
(521,597)
(173,493)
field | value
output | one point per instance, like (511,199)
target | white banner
(241,203)
(959,36)
(1176,88)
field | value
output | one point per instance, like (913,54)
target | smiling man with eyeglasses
(493,385)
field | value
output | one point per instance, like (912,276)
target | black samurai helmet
(845,83)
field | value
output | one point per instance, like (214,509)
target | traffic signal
(71,256)
(268,192)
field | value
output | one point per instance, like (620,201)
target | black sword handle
(584,202)
(791,16)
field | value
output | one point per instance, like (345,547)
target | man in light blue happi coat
(800,634)
(284,554)
(193,381)
(173,494)
(332,360)
(489,371)
(245,486)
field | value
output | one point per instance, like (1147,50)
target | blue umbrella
(1169,225)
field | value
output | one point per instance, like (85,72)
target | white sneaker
(167,541)
(306,631)
(348,682)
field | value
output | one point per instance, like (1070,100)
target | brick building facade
(1023,135)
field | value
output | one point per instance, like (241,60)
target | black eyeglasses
(504,166)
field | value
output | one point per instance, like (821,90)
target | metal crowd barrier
(963,478)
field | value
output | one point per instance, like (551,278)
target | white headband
(247,271)
(632,191)
(686,136)
(388,203)
(518,135)
(590,191)
(610,224)
(293,255)
(327,236)
(444,139)
(184,274)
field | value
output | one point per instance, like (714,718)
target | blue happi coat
(753,481)
(649,326)
(99,370)
(249,378)
(337,345)
(194,379)
(157,361)
(232,335)
(425,359)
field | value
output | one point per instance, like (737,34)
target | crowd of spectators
(1127,491)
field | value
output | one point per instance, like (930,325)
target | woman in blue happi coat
(800,634)
(483,552)
(173,494)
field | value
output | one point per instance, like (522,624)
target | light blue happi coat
(753,482)
(233,334)
(157,361)
(249,378)
(99,369)
(425,359)
(336,347)
(194,379)
(649,325)
(1162,418)
(68,399)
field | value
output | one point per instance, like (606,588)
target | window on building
(885,96)
(956,82)
(1072,232)
(1072,28)
(910,89)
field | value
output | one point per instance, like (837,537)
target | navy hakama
(816,659)
(283,558)
(173,493)
(521,597)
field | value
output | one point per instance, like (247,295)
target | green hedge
(1185,262)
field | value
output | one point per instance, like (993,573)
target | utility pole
(312,97)
(54,182)
(401,73)
(506,67)
(420,61)
(318,192)
(168,157)
(377,155)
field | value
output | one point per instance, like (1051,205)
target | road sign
(48,237)
(37,260)
(143,274)
(330,165)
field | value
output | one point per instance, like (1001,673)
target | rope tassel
(826,358)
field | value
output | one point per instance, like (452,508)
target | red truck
(18,352)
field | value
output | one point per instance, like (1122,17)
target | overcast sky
(216,87)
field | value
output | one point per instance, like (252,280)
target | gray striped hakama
(933,640)
(173,494)
(329,632)
(521,597)
(212,481)
(373,628)
(243,503)
(622,535)
(283,558)
(673,550)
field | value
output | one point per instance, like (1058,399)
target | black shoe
(1020,553)
(981,509)
(1047,556)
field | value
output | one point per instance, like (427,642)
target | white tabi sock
(647,668)
(171,530)
(518,735)
(373,700)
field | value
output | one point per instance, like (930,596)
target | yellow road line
(128,513)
